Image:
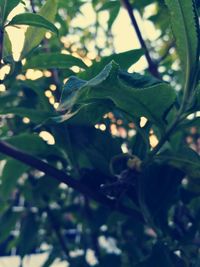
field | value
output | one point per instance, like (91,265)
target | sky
(124,35)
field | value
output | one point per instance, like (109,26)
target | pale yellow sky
(124,34)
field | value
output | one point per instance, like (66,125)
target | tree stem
(152,65)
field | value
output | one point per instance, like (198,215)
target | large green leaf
(34,36)
(53,60)
(151,101)
(6,7)
(185,28)
(33,20)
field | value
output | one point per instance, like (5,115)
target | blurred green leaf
(108,5)
(7,47)
(113,14)
(113,8)
(33,20)
(28,235)
(185,159)
(8,222)
(160,186)
(34,36)
(31,143)
(6,7)
(12,171)
(53,60)
(34,115)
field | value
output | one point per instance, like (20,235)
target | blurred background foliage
(39,214)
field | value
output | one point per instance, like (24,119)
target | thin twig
(32,6)
(1,45)
(152,65)
(56,229)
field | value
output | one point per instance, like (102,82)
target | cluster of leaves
(84,194)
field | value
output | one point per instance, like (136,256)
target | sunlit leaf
(53,60)
(34,36)
(33,20)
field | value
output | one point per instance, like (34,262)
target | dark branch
(152,65)
(32,6)
(62,177)
(1,44)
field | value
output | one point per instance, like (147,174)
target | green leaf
(160,184)
(36,116)
(12,171)
(34,36)
(6,7)
(6,98)
(196,105)
(150,102)
(28,235)
(8,222)
(30,143)
(33,20)
(190,123)
(113,7)
(113,15)
(7,47)
(124,59)
(53,60)
(89,114)
(185,159)
(108,5)
(185,28)
(39,90)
